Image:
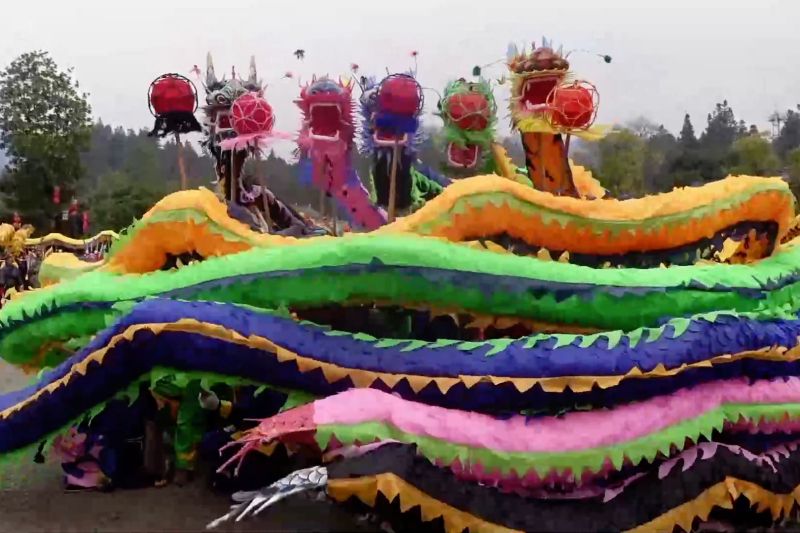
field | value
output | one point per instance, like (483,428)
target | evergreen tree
(789,136)
(687,138)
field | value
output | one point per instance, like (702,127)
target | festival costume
(595,364)
(326,149)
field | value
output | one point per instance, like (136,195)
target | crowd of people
(19,273)
(170,431)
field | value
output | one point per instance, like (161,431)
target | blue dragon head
(390,111)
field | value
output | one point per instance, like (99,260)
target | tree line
(642,157)
(51,142)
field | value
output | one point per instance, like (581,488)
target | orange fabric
(157,240)
(490,219)
(548,167)
(723,495)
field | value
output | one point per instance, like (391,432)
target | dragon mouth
(223,121)
(325,121)
(387,138)
(465,156)
(536,89)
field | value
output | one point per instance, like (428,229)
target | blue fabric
(127,361)
(397,124)
(305,172)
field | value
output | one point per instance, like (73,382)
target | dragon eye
(221,99)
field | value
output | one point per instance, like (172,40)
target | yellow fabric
(722,495)
(225,408)
(587,185)
(539,124)
(59,239)
(608,209)
(153,241)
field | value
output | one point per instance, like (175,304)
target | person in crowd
(185,422)
(107,452)
(235,410)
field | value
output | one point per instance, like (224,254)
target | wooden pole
(181,163)
(335,212)
(393,182)
(322,203)
(236,171)
(267,216)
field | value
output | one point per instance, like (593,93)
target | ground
(32,500)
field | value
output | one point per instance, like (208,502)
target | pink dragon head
(327,107)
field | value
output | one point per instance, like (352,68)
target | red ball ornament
(172,93)
(173,100)
(251,114)
(469,111)
(574,106)
(400,94)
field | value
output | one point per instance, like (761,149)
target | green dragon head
(469,112)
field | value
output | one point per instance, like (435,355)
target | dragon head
(220,95)
(534,76)
(391,111)
(327,108)
(469,112)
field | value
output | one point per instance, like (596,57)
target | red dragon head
(327,107)
(535,75)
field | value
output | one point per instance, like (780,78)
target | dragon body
(504,358)
(326,146)
(251,203)
(391,135)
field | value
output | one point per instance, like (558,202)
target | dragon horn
(512,51)
(211,77)
(253,79)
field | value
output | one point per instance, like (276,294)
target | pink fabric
(333,172)
(69,448)
(574,431)
(255,140)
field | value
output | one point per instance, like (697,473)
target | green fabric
(423,189)
(461,137)
(191,425)
(48,314)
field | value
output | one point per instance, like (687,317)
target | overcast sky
(669,57)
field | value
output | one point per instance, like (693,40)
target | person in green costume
(188,419)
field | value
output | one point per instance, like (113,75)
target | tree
(119,199)
(44,125)
(622,158)
(687,138)
(717,141)
(788,137)
(684,167)
(753,156)
(643,127)
(793,162)
(661,150)
(722,129)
